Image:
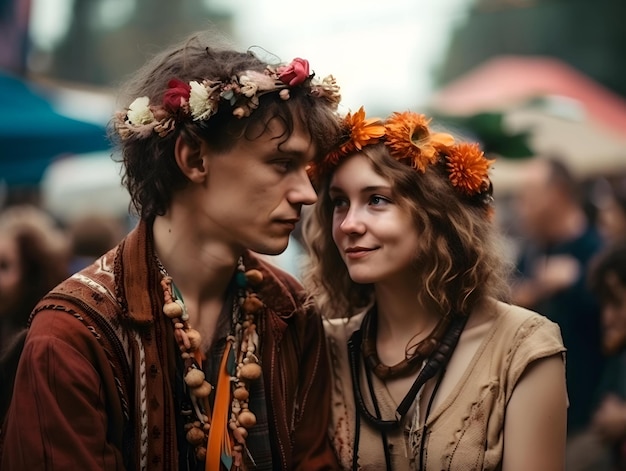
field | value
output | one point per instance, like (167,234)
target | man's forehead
(289,141)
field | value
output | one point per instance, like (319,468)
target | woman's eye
(377,200)
(338,202)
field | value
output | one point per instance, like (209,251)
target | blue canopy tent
(33,134)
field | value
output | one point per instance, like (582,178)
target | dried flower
(327,88)
(199,103)
(294,73)
(176,95)
(259,81)
(199,100)
(139,111)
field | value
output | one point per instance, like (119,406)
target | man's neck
(201,268)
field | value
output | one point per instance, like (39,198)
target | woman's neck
(401,318)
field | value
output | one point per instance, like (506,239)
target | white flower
(199,101)
(139,112)
(248,87)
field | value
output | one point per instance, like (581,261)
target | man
(179,348)
(559,241)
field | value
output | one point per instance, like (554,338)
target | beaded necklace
(219,435)
(414,354)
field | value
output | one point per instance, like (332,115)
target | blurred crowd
(570,244)
(569,256)
(38,251)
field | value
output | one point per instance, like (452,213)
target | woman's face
(10,274)
(375,235)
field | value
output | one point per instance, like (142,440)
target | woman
(34,258)
(432,370)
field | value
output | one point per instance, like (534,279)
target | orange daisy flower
(409,137)
(360,132)
(364,132)
(467,167)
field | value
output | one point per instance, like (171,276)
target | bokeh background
(524,77)
(530,80)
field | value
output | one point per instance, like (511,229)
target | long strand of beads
(245,341)
(248,368)
(189,343)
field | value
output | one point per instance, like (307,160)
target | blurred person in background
(611,211)
(34,258)
(603,446)
(179,348)
(91,235)
(558,241)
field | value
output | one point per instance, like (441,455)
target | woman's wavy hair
(460,259)
(150,172)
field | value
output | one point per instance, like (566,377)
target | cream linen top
(464,430)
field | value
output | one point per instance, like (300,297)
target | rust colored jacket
(95,380)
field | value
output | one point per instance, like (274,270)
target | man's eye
(283,165)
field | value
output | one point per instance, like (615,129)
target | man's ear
(192,159)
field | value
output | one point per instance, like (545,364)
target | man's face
(254,192)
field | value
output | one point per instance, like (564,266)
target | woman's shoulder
(520,321)
(525,336)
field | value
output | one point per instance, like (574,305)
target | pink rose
(294,73)
(176,94)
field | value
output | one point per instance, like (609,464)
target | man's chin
(271,249)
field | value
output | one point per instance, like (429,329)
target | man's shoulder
(90,291)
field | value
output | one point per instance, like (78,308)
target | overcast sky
(382,52)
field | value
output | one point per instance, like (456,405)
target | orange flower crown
(410,140)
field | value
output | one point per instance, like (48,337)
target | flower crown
(199,100)
(410,140)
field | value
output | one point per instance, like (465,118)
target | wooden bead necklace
(219,435)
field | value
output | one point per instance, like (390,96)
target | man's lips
(288,222)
